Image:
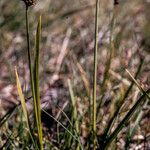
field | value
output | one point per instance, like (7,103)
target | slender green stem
(30,68)
(28,48)
(95,74)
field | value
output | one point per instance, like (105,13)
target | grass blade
(133,129)
(130,113)
(10,113)
(125,120)
(23,103)
(36,84)
(30,63)
(138,85)
(75,118)
(84,78)
(112,119)
(7,116)
(24,108)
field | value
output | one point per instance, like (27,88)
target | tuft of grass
(124,121)
(69,132)
(112,119)
(74,114)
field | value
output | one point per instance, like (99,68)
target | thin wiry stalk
(29,62)
(71,124)
(95,75)
(28,48)
(74,136)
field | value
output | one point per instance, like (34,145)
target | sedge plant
(34,72)
(111,130)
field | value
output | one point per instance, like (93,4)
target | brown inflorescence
(116,2)
(29,2)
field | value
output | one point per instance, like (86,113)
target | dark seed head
(116,2)
(29,2)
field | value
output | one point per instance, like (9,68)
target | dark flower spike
(29,2)
(116,2)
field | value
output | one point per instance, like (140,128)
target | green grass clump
(89,121)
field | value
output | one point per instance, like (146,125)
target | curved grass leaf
(24,108)
(37,101)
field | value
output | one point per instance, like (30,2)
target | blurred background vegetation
(67,44)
